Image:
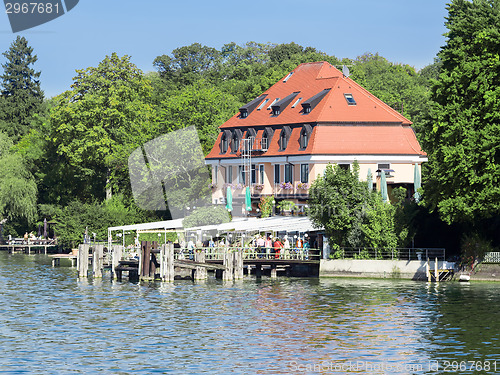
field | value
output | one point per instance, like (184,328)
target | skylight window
(350,100)
(274,101)
(287,77)
(262,105)
(296,102)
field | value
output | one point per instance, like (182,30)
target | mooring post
(116,256)
(428,270)
(436,270)
(146,258)
(238,264)
(228,264)
(200,273)
(170,262)
(83,260)
(98,260)
(274,272)
(258,271)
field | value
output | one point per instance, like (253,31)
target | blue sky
(403,31)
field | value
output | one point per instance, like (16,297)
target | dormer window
(350,100)
(249,139)
(310,103)
(235,141)
(249,107)
(305,134)
(223,143)
(274,101)
(266,138)
(279,106)
(284,137)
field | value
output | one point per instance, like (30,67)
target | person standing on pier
(269,245)
(277,248)
(260,246)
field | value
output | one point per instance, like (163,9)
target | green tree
(351,214)
(101,120)
(208,215)
(21,95)
(18,190)
(462,134)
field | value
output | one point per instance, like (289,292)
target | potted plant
(286,185)
(287,206)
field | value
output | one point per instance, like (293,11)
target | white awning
(168,224)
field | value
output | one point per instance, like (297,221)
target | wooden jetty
(438,274)
(161,262)
(36,247)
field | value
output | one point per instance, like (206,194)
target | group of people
(281,248)
(261,247)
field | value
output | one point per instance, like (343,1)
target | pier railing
(388,253)
(217,253)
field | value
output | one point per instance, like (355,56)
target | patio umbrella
(45,228)
(248,199)
(383,187)
(369,179)
(229,199)
(417,183)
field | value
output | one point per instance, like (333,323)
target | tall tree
(101,120)
(21,96)
(462,135)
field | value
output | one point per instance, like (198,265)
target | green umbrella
(229,199)
(248,200)
(369,179)
(383,186)
(416,183)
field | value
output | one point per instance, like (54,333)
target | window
(254,174)
(261,174)
(284,137)
(229,175)
(386,167)
(296,102)
(274,101)
(223,143)
(287,77)
(304,139)
(241,175)
(289,173)
(304,173)
(350,100)
(277,177)
(283,140)
(265,141)
(235,143)
(345,167)
(262,105)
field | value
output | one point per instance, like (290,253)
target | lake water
(54,323)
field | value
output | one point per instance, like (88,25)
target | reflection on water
(54,323)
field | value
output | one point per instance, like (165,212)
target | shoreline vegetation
(64,159)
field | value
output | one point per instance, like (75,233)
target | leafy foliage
(102,119)
(207,215)
(462,134)
(351,214)
(22,96)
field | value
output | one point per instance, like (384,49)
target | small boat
(464,278)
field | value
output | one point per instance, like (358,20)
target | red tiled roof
(369,127)
(310,79)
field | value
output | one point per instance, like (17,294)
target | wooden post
(98,260)
(83,260)
(116,256)
(274,272)
(436,270)
(146,258)
(258,271)
(228,264)
(200,273)
(428,269)
(152,265)
(170,261)
(238,264)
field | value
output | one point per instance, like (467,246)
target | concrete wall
(400,269)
